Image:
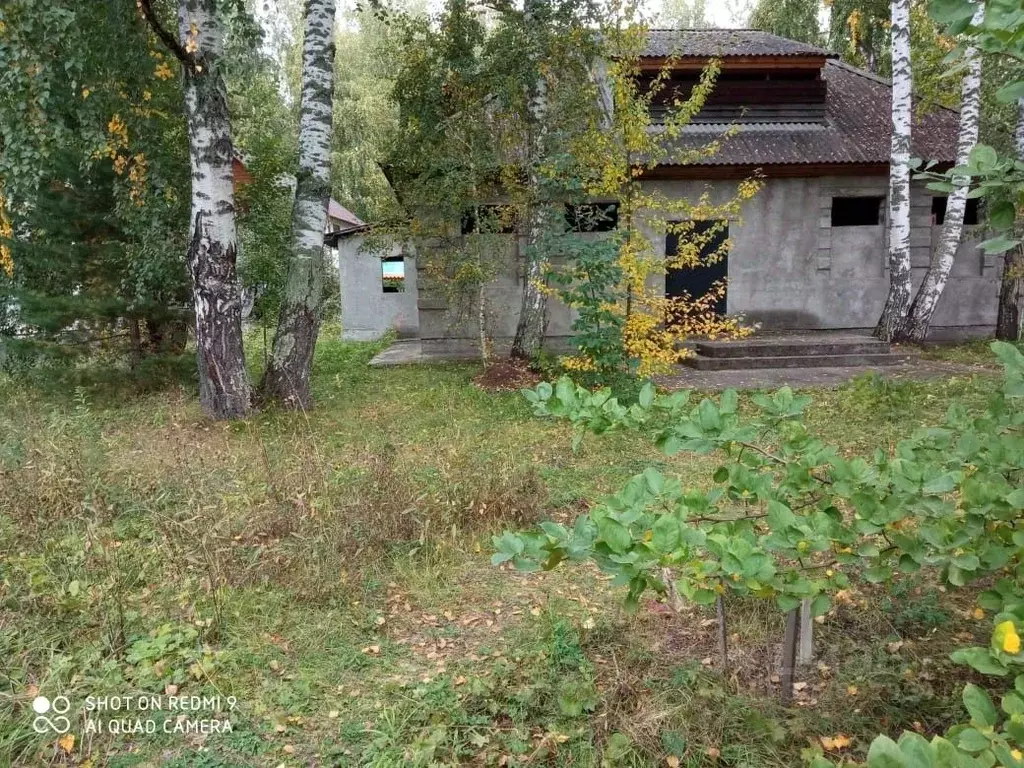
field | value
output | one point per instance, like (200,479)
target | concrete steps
(805,352)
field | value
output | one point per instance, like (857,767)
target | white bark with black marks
(898,301)
(224,389)
(927,298)
(288,370)
(1010,317)
(532,322)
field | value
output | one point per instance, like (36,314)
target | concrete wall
(367,312)
(788,268)
(452,324)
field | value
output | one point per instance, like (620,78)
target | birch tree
(927,297)
(224,390)
(288,370)
(1010,316)
(533,307)
(897,302)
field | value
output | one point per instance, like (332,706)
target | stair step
(705,363)
(781,348)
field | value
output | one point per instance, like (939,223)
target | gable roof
(723,43)
(856,130)
(343,215)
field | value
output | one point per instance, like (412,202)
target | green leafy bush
(788,516)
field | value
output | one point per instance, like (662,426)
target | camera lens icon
(60,706)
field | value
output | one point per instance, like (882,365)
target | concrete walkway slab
(812,378)
(410,352)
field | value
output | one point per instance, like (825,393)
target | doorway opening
(712,270)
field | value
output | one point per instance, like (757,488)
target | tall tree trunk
(291,359)
(898,301)
(1010,318)
(533,307)
(224,390)
(927,297)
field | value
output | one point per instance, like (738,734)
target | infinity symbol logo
(60,706)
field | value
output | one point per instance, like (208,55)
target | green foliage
(788,515)
(793,19)
(859,31)
(589,280)
(265,132)
(94,161)
(946,499)
(364,115)
(992,736)
(465,149)
(1000,178)
(169,654)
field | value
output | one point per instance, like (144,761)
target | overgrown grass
(330,571)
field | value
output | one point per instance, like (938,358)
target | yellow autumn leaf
(835,743)
(979,613)
(67,742)
(1006,637)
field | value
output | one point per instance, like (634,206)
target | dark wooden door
(697,281)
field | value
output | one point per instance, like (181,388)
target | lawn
(324,580)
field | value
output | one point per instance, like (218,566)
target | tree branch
(170,41)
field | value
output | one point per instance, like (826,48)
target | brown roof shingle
(704,43)
(857,129)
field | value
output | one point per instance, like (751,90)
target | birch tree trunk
(927,297)
(288,369)
(1010,318)
(898,301)
(533,307)
(224,390)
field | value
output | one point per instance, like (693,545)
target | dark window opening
(392,274)
(971,213)
(489,219)
(783,96)
(592,217)
(856,211)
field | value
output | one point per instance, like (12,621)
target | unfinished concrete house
(809,252)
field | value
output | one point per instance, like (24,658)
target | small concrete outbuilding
(378,292)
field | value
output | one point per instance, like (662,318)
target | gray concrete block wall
(367,312)
(451,322)
(788,268)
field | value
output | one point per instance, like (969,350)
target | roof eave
(736,63)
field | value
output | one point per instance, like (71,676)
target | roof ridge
(858,71)
(738,37)
(711,29)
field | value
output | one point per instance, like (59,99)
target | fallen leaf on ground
(834,743)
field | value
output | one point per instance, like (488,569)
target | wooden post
(723,635)
(805,653)
(789,656)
